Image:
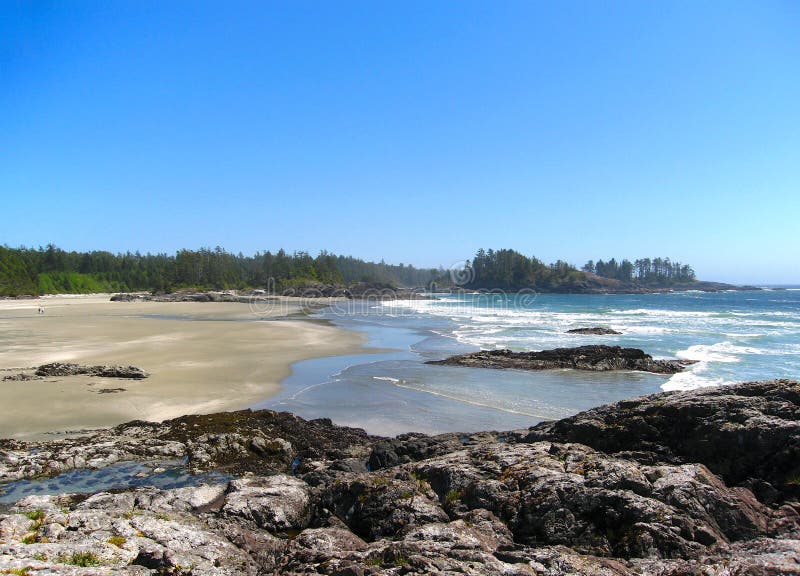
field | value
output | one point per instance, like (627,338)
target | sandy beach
(202,357)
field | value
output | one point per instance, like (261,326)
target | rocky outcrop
(414,447)
(382,291)
(596,330)
(629,489)
(595,358)
(186,297)
(68,369)
(748,434)
(258,442)
(306,290)
(593,284)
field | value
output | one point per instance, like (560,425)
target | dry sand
(202,357)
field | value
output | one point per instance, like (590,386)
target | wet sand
(202,357)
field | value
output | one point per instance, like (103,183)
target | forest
(51,270)
(509,270)
(644,270)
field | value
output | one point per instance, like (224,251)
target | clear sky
(410,131)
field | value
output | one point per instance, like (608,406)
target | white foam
(719,352)
(663,313)
(387,379)
(690,380)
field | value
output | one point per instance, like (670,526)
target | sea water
(733,336)
(118,476)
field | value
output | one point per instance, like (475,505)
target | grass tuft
(82,559)
(35,515)
(453,495)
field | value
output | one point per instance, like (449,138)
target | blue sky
(416,132)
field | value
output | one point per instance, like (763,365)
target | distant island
(51,270)
(511,271)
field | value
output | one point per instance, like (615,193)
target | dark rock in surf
(594,358)
(597,330)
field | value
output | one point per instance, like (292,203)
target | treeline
(644,270)
(510,270)
(52,270)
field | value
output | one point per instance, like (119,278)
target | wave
(690,380)
(753,337)
(664,313)
(719,352)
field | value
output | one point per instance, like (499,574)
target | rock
(131,372)
(568,494)
(128,533)
(128,297)
(272,448)
(285,437)
(382,291)
(171,543)
(749,434)
(321,544)
(203,497)
(276,503)
(68,369)
(374,506)
(597,330)
(762,556)
(307,290)
(414,447)
(595,358)
(262,442)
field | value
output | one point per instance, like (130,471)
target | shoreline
(315,294)
(202,357)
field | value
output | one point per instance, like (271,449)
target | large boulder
(275,503)
(376,506)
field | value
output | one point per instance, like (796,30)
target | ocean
(734,336)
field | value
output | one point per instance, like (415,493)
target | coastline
(202,357)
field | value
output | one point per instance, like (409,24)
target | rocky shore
(311,290)
(594,358)
(592,284)
(698,483)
